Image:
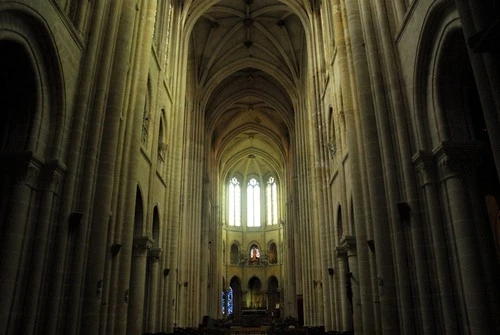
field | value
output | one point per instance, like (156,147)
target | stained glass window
(271,202)
(234,202)
(223,303)
(253,203)
(230,301)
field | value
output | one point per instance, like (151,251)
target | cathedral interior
(169,165)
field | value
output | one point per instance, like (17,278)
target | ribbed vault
(249,61)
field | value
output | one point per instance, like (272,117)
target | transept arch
(21,26)
(32,99)
(454,154)
(441,17)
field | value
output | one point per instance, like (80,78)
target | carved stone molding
(142,244)
(348,242)
(341,252)
(52,175)
(424,166)
(154,254)
(456,158)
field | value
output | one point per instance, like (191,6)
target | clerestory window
(272,202)
(234,200)
(253,203)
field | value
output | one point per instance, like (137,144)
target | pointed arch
(234,257)
(138,214)
(272,253)
(156,227)
(340,227)
(22,28)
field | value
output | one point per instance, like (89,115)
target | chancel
(249,166)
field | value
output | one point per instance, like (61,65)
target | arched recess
(273,295)
(146,115)
(448,109)
(31,99)
(464,124)
(152,275)
(352,229)
(272,253)
(18,94)
(138,214)
(332,137)
(21,26)
(254,253)
(454,155)
(32,127)
(340,227)
(255,297)
(20,103)
(234,257)
(162,143)
(156,228)
(235,285)
(441,16)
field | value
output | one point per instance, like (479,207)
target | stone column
(93,312)
(137,283)
(377,185)
(130,146)
(345,308)
(363,310)
(445,304)
(154,258)
(15,230)
(36,292)
(352,278)
(454,162)
(82,248)
(68,213)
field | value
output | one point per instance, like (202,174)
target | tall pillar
(102,223)
(130,146)
(154,258)
(351,280)
(345,309)
(363,310)
(13,239)
(82,249)
(454,162)
(36,292)
(141,247)
(68,213)
(445,305)
(389,297)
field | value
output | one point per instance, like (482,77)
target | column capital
(454,158)
(52,175)
(348,242)
(341,252)
(424,165)
(144,243)
(154,254)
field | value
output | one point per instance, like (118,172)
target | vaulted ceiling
(249,58)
